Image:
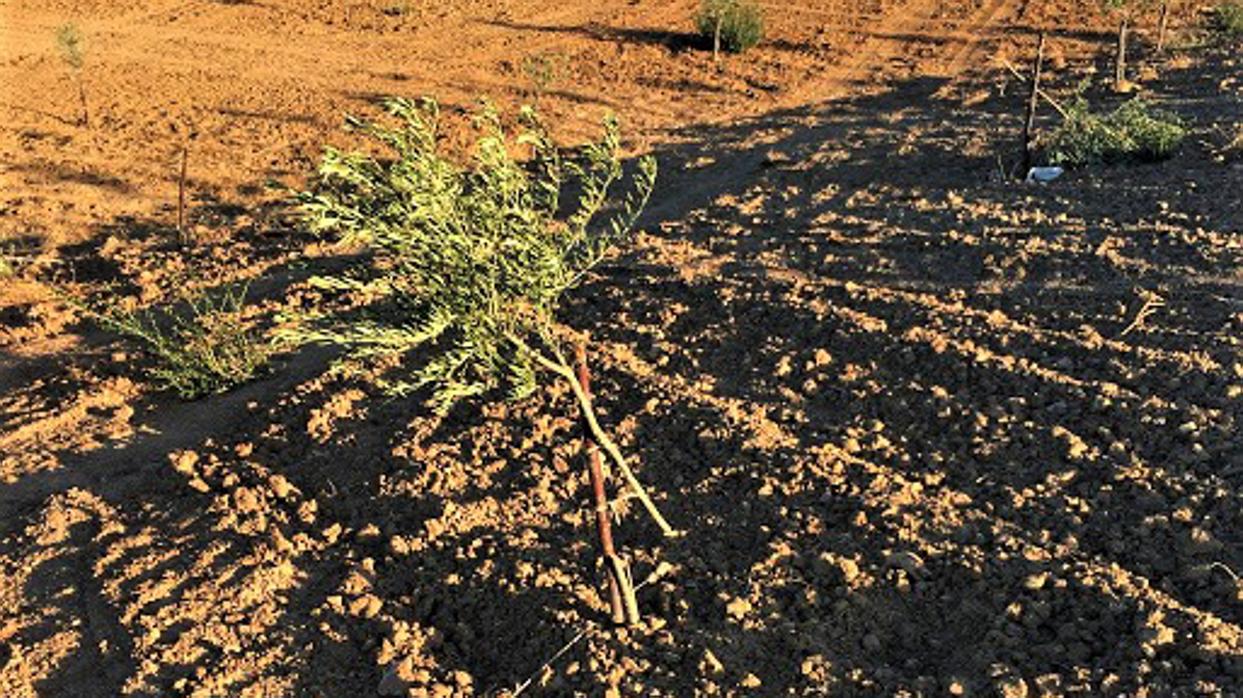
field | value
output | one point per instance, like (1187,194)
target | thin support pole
(182,235)
(622,604)
(1033,99)
(1120,59)
(1162,25)
(86,110)
(563,369)
(1057,106)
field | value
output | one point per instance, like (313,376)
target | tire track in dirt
(891,38)
(909,24)
(888,39)
(973,32)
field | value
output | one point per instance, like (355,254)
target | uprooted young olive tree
(469,264)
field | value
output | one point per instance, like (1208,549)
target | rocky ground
(928,431)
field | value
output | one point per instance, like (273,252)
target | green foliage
(1229,18)
(208,347)
(69,40)
(740,21)
(1134,132)
(470,261)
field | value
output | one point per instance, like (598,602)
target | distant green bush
(69,41)
(1133,132)
(542,71)
(1229,16)
(740,23)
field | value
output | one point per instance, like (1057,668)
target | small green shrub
(1229,16)
(1134,132)
(208,347)
(69,41)
(740,23)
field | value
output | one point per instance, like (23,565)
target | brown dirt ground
(894,400)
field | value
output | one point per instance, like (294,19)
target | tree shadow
(673,40)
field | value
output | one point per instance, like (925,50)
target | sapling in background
(470,263)
(69,40)
(542,71)
(1126,10)
(732,25)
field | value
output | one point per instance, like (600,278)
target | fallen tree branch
(564,370)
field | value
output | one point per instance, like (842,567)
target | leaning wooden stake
(1057,106)
(623,606)
(1033,99)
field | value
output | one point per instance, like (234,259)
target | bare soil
(921,437)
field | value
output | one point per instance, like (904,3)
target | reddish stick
(603,525)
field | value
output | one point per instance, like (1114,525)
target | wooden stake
(1162,24)
(1120,59)
(1033,98)
(181,197)
(623,606)
(86,112)
(716,36)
